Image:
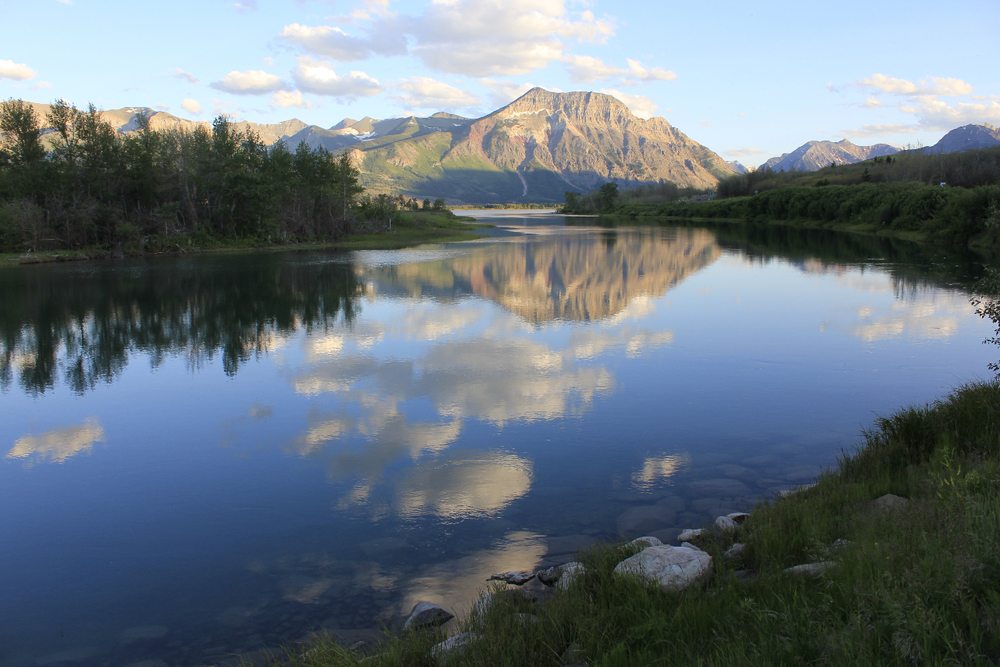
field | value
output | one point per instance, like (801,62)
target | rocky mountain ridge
(966,138)
(814,155)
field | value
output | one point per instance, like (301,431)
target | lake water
(201,456)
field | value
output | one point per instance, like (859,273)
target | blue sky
(748,80)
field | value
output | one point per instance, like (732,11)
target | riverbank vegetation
(912,584)
(899,195)
(80,187)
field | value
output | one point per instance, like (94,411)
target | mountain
(534,149)
(737,167)
(965,138)
(814,155)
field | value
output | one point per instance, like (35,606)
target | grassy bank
(919,584)
(408,229)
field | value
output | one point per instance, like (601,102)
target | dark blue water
(203,456)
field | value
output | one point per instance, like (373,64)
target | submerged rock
(427,614)
(518,577)
(673,568)
(642,520)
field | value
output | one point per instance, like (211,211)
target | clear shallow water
(202,456)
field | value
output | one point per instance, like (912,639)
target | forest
(70,180)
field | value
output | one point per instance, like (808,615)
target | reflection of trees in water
(567,277)
(84,322)
(913,267)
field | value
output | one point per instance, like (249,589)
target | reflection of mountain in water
(85,321)
(568,277)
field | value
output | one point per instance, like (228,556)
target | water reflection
(59,444)
(568,277)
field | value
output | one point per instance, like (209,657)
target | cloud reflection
(59,444)
(658,469)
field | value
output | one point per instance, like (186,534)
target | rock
(549,576)
(725,523)
(527,619)
(675,503)
(745,575)
(888,503)
(673,568)
(739,517)
(721,488)
(690,534)
(642,520)
(452,646)
(143,632)
(569,573)
(811,569)
(735,552)
(691,546)
(647,541)
(518,578)
(427,614)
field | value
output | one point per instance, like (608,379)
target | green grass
(919,585)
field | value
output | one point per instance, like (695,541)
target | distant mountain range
(814,155)
(534,149)
(967,138)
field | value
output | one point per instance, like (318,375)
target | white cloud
(246,5)
(161,107)
(41,85)
(286,99)
(470,37)
(17,71)
(640,105)
(587,69)
(504,37)
(421,92)
(187,76)
(878,130)
(66,2)
(334,43)
(639,74)
(706,123)
(319,78)
(923,100)
(191,106)
(253,82)
(743,152)
(503,93)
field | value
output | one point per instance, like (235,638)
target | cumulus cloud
(503,93)
(370,10)
(161,107)
(17,71)
(880,129)
(332,42)
(421,92)
(286,99)
(743,152)
(640,105)
(639,74)
(469,37)
(246,5)
(191,106)
(253,82)
(187,76)
(923,99)
(945,87)
(41,85)
(587,69)
(319,78)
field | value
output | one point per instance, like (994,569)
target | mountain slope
(538,147)
(814,155)
(967,137)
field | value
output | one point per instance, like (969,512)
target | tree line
(71,180)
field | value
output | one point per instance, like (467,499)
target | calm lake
(201,456)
